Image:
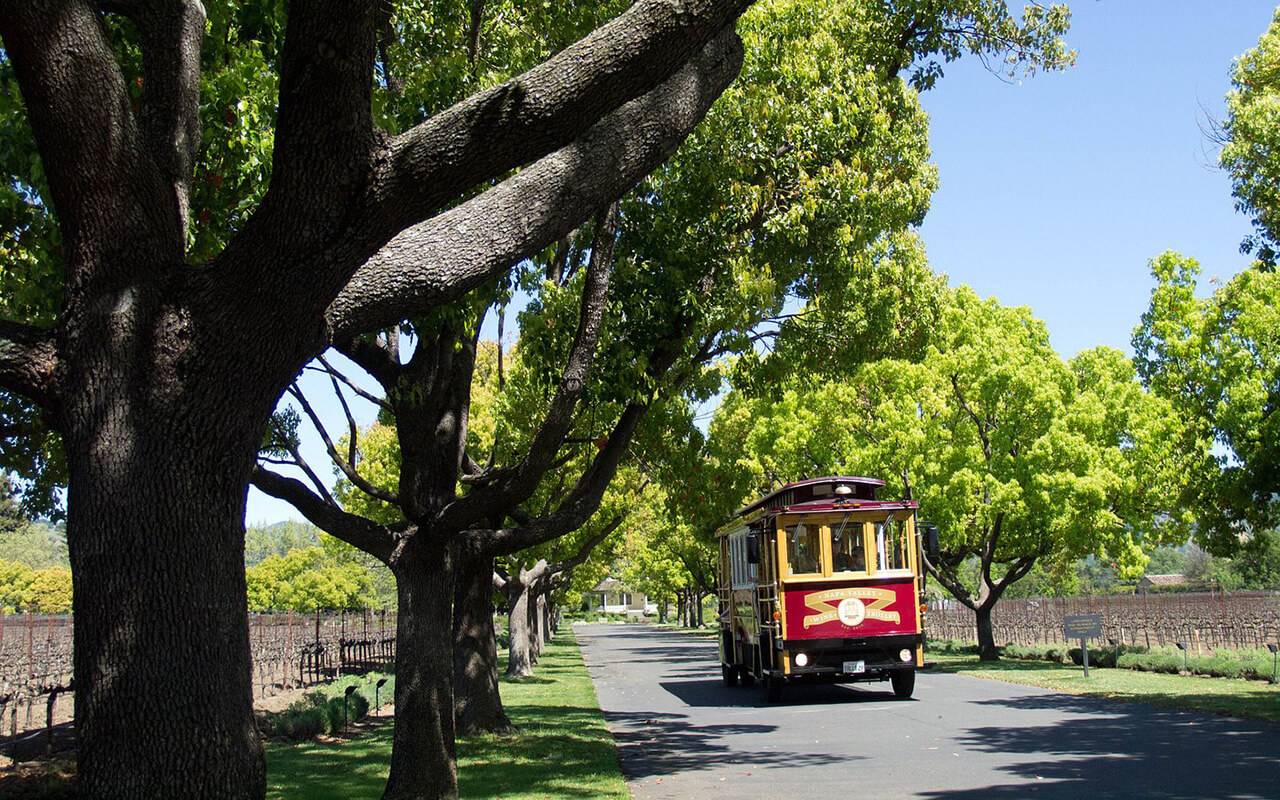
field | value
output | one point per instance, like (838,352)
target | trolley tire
(747,678)
(904,682)
(773,688)
(730,675)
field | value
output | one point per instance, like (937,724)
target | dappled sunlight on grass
(562,747)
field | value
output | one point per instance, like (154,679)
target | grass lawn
(1229,696)
(562,749)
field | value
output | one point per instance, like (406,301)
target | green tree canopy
(1251,143)
(306,580)
(1018,456)
(1216,360)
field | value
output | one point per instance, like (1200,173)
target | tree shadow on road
(1105,749)
(656,744)
(710,692)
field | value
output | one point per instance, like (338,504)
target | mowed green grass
(562,748)
(1228,696)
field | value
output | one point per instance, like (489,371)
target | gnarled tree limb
(440,260)
(377,540)
(546,108)
(29,362)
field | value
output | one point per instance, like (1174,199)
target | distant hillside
(277,540)
(39,545)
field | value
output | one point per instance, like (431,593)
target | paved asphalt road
(681,733)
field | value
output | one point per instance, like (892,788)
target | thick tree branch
(588,546)
(582,500)
(379,358)
(324,141)
(954,585)
(377,540)
(440,260)
(547,107)
(348,469)
(108,194)
(171,33)
(29,362)
(514,486)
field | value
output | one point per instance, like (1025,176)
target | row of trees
(1030,464)
(171,292)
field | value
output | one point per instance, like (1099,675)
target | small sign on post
(1083,627)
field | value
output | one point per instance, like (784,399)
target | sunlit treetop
(1251,143)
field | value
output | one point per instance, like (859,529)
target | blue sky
(1056,190)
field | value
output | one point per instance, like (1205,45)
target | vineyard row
(1204,621)
(289,651)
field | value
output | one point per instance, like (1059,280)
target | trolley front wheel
(773,688)
(747,678)
(904,682)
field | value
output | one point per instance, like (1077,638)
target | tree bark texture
(537,625)
(986,634)
(477,701)
(163,701)
(519,655)
(423,755)
(161,376)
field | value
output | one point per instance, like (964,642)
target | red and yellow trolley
(821,582)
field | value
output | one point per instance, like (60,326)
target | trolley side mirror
(753,548)
(932,543)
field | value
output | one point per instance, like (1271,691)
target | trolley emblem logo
(850,606)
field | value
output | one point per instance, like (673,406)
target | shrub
(321,711)
(951,646)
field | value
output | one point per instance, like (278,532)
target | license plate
(855,667)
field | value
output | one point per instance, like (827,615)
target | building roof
(1166,580)
(608,585)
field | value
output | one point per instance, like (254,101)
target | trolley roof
(834,492)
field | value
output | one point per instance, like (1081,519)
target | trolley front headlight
(802,660)
(905,655)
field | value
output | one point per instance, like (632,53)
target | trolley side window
(891,544)
(848,551)
(804,549)
(742,572)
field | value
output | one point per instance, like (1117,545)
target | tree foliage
(1216,360)
(43,591)
(1019,457)
(306,580)
(1251,143)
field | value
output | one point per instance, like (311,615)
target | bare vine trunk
(477,702)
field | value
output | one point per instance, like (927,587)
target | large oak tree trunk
(986,634)
(537,625)
(548,618)
(162,665)
(158,462)
(519,658)
(476,700)
(423,758)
